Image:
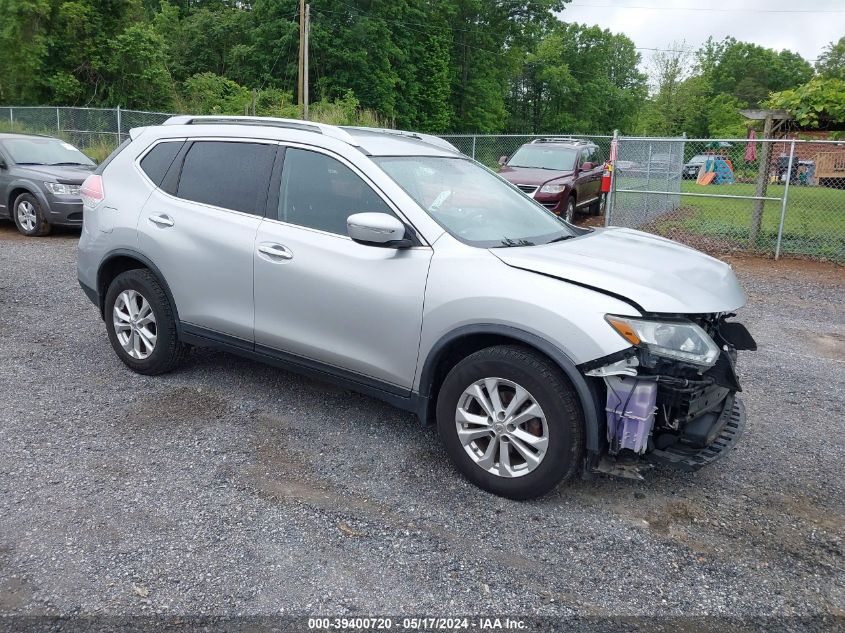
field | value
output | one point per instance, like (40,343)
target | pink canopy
(751,147)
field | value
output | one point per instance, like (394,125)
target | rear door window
(226,174)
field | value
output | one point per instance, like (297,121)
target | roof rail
(427,138)
(294,124)
(561,139)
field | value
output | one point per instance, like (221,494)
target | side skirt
(404,399)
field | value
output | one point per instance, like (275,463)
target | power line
(702,9)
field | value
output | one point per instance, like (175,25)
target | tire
(569,209)
(560,422)
(29,216)
(597,207)
(139,288)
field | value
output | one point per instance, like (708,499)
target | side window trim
(272,212)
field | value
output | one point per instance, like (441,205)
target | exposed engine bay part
(625,367)
(631,404)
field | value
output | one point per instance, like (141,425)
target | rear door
(321,296)
(199,229)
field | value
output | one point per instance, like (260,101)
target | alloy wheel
(135,324)
(502,427)
(26,215)
(570,210)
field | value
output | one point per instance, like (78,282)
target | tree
(831,63)
(137,71)
(580,78)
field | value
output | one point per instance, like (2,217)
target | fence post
(58,123)
(611,196)
(119,139)
(785,198)
(762,183)
(11,117)
(473,146)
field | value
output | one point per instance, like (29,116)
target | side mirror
(503,160)
(588,166)
(3,164)
(377,229)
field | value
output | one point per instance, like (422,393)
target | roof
(372,141)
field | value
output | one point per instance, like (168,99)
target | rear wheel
(511,422)
(29,216)
(141,324)
(597,207)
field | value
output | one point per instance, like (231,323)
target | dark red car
(562,174)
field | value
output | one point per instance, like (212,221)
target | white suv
(393,264)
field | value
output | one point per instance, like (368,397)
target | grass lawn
(814,225)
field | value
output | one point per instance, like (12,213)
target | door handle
(161,220)
(276,251)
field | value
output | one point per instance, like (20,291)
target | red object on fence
(751,147)
(605,177)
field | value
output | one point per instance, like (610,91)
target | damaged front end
(671,397)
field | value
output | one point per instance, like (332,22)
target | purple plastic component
(630,412)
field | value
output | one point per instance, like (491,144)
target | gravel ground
(229,487)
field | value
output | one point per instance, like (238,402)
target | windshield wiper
(560,239)
(67,163)
(27,163)
(520,242)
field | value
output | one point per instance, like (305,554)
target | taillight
(92,191)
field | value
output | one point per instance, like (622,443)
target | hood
(67,174)
(655,273)
(531,176)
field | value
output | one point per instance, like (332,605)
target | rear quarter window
(158,160)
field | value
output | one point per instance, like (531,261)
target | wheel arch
(20,187)
(121,260)
(465,340)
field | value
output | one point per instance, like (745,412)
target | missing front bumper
(687,458)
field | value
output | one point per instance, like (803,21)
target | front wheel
(511,422)
(29,216)
(569,213)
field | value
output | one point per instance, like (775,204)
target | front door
(323,297)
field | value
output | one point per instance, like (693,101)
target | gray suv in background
(40,178)
(394,265)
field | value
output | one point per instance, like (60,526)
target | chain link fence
(96,129)
(765,197)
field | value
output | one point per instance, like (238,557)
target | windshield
(472,203)
(539,157)
(44,151)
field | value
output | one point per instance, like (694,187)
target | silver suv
(396,266)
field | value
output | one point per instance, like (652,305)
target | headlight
(59,189)
(672,339)
(552,188)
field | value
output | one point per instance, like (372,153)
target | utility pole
(304,34)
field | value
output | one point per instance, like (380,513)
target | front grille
(529,189)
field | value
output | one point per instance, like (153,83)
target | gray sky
(763,22)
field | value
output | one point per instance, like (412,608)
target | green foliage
(818,101)
(483,66)
(831,63)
